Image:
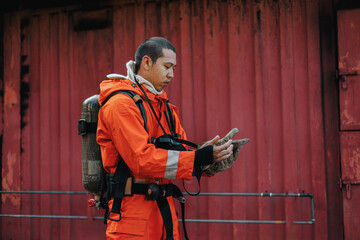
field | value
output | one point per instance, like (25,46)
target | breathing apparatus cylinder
(91,156)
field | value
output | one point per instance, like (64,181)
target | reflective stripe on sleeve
(172,164)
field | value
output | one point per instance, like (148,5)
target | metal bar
(264,194)
(233,221)
(312,209)
(43,216)
(225,194)
(344,182)
(303,222)
(186,220)
(43,192)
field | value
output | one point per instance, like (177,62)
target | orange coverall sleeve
(121,131)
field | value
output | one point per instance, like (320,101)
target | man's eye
(167,67)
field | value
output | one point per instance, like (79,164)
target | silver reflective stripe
(139,180)
(172,164)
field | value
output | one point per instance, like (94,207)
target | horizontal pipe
(233,221)
(264,194)
(186,220)
(43,192)
(304,222)
(248,221)
(43,216)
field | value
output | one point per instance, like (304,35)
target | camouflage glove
(224,165)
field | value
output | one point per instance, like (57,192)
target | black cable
(148,100)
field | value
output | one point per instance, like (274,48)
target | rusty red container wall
(254,65)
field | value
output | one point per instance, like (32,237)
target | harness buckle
(113,219)
(153,192)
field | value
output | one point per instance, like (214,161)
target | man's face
(162,71)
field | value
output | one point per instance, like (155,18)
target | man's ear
(146,62)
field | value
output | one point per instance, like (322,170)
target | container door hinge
(347,185)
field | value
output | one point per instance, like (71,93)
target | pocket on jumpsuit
(134,219)
(135,227)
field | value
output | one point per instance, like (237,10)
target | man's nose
(171,73)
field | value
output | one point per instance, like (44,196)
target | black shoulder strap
(170,119)
(137,99)
(117,182)
(117,189)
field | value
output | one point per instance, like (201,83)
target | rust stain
(357,67)
(8,179)
(11,96)
(343,61)
(354,164)
(8,176)
(352,25)
(347,118)
(13,200)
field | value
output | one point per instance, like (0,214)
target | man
(124,135)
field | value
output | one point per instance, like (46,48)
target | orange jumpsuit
(121,132)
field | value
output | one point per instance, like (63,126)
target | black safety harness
(121,184)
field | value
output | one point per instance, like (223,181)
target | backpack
(93,173)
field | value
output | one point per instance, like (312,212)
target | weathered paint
(350,156)
(350,173)
(349,68)
(349,90)
(11,165)
(254,65)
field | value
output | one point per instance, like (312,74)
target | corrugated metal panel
(349,67)
(11,118)
(330,94)
(349,89)
(254,65)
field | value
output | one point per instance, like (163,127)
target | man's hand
(226,152)
(220,151)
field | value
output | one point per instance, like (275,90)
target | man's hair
(153,47)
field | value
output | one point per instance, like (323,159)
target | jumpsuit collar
(130,66)
(158,100)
